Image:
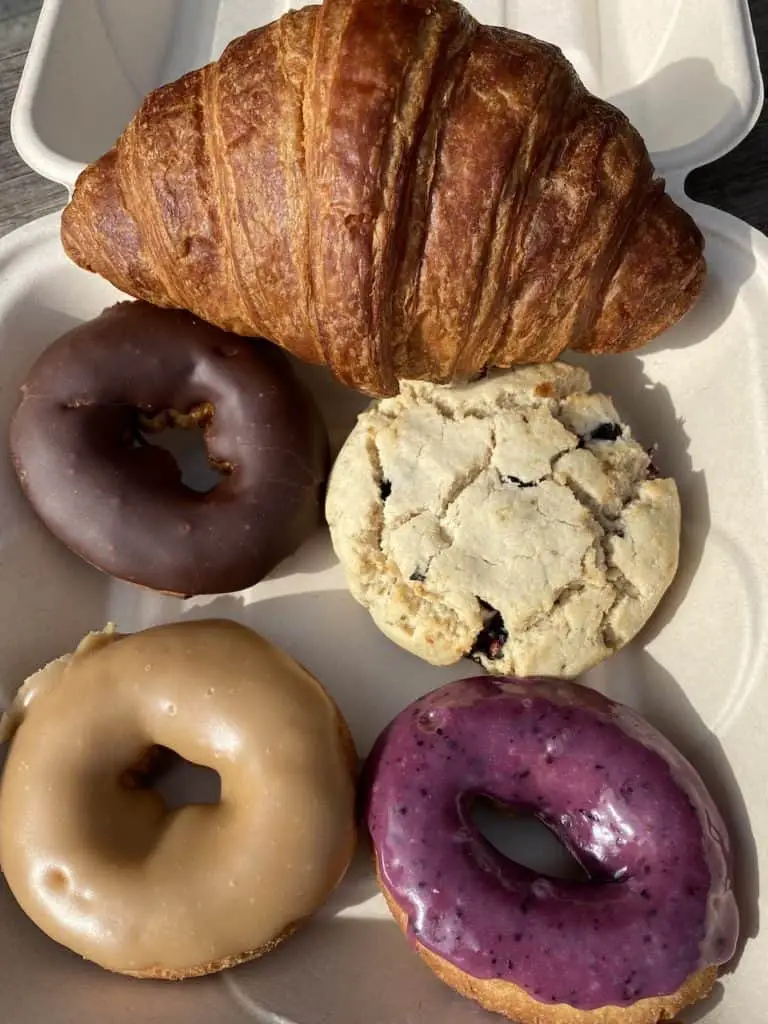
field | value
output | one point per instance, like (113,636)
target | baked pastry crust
(396,191)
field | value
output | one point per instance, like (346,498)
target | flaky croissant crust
(390,188)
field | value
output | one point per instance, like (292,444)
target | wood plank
(24,195)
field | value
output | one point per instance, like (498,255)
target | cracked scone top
(514,520)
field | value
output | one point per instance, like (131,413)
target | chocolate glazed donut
(119,502)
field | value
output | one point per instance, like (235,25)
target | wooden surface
(738,183)
(24,195)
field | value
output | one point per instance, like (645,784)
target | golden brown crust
(158,973)
(396,191)
(514,1002)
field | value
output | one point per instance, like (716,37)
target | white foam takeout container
(687,74)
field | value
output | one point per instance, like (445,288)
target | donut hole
(526,840)
(126,826)
(182,435)
(177,781)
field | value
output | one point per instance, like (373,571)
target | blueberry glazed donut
(634,944)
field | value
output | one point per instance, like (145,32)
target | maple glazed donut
(105,868)
(79,447)
(637,941)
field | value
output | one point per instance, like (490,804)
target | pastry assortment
(89,855)
(513,520)
(437,210)
(658,914)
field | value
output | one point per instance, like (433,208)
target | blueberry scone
(514,520)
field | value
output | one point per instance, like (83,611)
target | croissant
(393,189)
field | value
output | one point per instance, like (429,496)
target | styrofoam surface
(685,72)
(701,391)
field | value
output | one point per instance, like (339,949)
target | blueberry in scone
(514,520)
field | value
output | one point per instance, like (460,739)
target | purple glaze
(659,904)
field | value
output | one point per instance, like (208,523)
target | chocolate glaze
(122,506)
(658,905)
